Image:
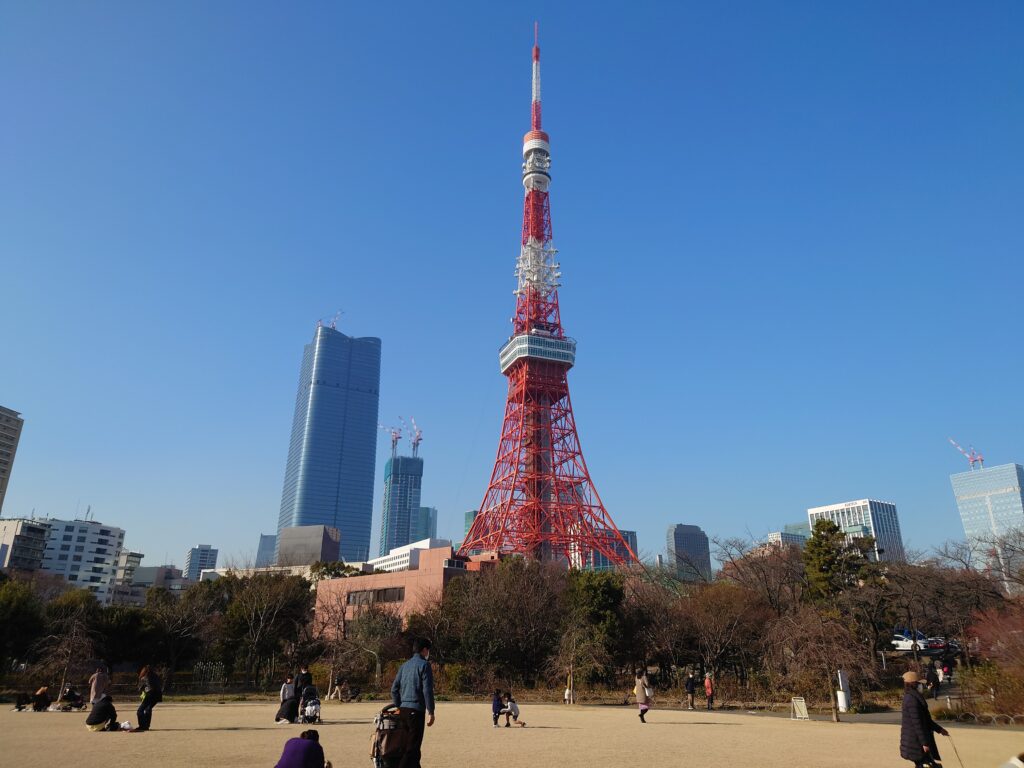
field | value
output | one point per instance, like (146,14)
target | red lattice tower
(541,501)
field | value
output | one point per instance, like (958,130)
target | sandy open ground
(212,735)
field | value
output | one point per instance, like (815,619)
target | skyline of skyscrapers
(197,559)
(403,480)
(689,552)
(11,425)
(862,518)
(329,475)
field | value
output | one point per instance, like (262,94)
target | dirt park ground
(243,734)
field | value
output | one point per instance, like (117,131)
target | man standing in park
(413,693)
(691,688)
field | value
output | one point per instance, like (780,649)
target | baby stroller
(309,705)
(390,738)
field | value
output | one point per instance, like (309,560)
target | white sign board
(798,709)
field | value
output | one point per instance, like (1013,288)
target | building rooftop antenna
(970,454)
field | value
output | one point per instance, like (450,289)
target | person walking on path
(338,683)
(152,694)
(99,685)
(917,729)
(413,694)
(931,677)
(691,689)
(709,690)
(642,691)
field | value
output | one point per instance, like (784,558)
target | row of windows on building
(367,596)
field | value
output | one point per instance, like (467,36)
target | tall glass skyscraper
(403,476)
(689,552)
(991,501)
(332,456)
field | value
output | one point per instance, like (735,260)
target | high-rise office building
(689,552)
(403,476)
(308,544)
(598,561)
(22,543)
(991,501)
(266,549)
(10,433)
(199,558)
(863,518)
(426,524)
(785,537)
(469,518)
(329,476)
(85,553)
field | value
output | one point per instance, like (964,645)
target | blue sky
(790,237)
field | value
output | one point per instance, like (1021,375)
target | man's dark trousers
(416,721)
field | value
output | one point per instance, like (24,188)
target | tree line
(775,621)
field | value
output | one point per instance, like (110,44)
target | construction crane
(396,435)
(970,454)
(417,437)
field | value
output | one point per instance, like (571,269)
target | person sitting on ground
(288,712)
(497,706)
(41,700)
(511,709)
(103,716)
(21,701)
(303,752)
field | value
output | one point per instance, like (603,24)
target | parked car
(902,643)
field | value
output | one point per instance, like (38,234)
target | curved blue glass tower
(332,455)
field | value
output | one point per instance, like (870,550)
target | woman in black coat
(917,732)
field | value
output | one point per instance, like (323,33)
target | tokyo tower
(541,501)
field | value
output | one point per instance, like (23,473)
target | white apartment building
(862,518)
(85,553)
(406,557)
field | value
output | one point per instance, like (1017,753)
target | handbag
(648,692)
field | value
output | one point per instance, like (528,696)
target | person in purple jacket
(303,752)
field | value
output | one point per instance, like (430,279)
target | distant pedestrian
(931,679)
(942,674)
(339,682)
(99,684)
(709,690)
(497,705)
(642,691)
(566,696)
(691,689)
(303,679)
(917,729)
(413,694)
(152,694)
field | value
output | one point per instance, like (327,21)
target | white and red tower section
(541,501)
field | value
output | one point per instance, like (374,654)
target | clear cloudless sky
(790,233)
